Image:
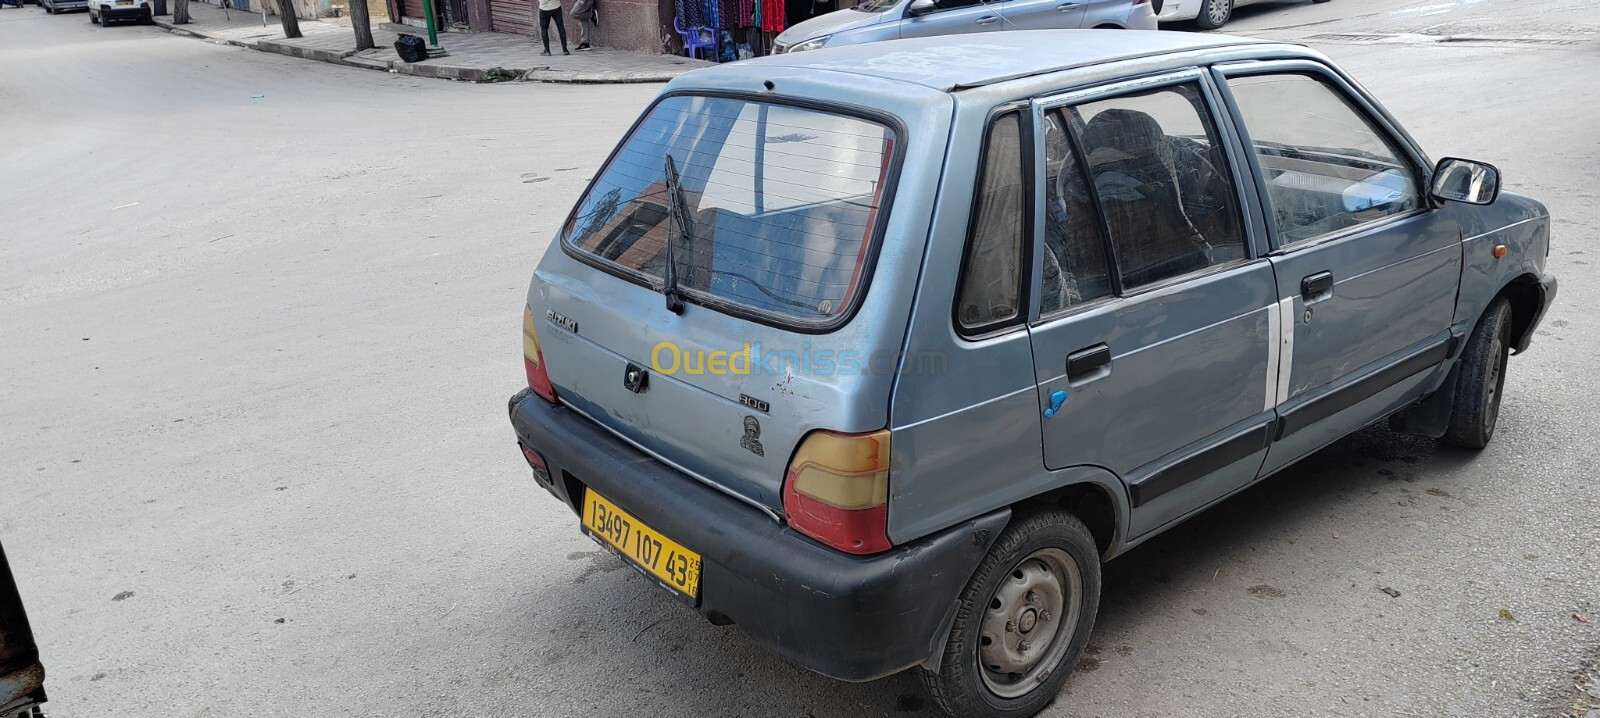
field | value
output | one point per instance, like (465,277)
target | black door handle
(1084,362)
(1317,286)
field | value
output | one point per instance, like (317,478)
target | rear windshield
(782,203)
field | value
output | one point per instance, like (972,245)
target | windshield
(876,5)
(782,204)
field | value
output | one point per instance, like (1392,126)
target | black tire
(1214,14)
(1481,379)
(1037,538)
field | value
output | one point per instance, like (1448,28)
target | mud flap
(1431,416)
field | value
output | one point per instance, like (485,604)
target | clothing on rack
(691,13)
(772,15)
(728,13)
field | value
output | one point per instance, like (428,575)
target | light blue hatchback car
(879,351)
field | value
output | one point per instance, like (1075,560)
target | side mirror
(1459,180)
(920,7)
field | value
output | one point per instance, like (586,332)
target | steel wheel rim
(1491,389)
(1219,10)
(1029,623)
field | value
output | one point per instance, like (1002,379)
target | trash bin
(158,7)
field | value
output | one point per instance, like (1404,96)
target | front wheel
(1214,14)
(1481,379)
(1023,619)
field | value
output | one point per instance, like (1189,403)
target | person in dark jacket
(587,13)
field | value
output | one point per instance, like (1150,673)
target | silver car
(1208,14)
(879,351)
(55,7)
(876,20)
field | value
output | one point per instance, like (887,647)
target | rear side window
(1075,270)
(1327,168)
(991,272)
(783,205)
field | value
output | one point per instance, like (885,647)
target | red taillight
(837,490)
(533,359)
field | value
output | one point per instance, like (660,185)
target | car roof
(953,62)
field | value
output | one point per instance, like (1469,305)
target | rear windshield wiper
(679,229)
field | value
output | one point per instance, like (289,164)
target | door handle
(988,19)
(1317,287)
(1063,7)
(1089,363)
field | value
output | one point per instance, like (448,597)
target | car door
(1153,324)
(1367,268)
(953,17)
(1045,14)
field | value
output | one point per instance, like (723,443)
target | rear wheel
(1214,14)
(1481,379)
(1023,619)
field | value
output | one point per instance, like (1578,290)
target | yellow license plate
(670,563)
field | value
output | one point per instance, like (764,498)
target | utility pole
(433,33)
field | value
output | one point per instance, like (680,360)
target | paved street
(260,319)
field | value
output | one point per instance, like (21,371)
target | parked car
(1208,14)
(107,11)
(879,351)
(21,673)
(55,7)
(876,20)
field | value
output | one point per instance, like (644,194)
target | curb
(308,53)
(352,58)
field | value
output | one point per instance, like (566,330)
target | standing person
(551,10)
(587,13)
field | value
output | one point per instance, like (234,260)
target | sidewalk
(472,56)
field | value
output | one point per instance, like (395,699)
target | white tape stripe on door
(1286,352)
(1274,339)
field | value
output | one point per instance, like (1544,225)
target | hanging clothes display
(691,13)
(772,15)
(746,13)
(713,14)
(728,13)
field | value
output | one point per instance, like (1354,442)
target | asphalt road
(260,317)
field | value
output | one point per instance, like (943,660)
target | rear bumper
(1142,18)
(854,618)
(1547,296)
(1176,10)
(125,13)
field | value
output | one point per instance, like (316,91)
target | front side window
(1326,167)
(782,205)
(991,273)
(1159,172)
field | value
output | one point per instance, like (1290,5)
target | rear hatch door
(785,216)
